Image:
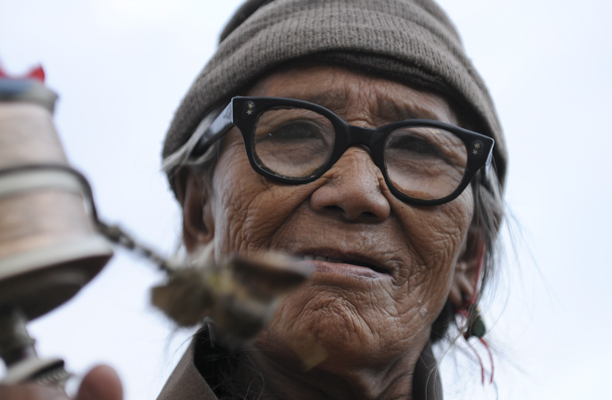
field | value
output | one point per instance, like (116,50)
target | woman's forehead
(343,91)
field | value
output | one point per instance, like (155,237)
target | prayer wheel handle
(49,243)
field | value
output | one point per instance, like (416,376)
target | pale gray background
(121,67)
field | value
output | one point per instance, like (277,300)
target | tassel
(484,343)
(476,328)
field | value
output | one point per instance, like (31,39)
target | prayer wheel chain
(118,236)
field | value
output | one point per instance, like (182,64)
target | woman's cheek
(250,209)
(435,236)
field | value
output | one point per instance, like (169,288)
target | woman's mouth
(352,265)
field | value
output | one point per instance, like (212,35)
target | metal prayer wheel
(49,244)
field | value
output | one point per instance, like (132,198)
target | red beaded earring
(474,325)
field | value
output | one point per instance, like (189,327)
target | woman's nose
(353,188)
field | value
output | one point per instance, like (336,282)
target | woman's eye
(414,144)
(292,132)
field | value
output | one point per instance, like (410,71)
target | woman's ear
(192,194)
(468,269)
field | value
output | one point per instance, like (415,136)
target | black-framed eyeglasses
(424,162)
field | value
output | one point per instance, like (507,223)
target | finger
(30,392)
(101,383)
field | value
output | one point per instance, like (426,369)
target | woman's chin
(328,332)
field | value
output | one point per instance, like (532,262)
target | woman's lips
(346,266)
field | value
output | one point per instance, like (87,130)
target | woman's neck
(410,377)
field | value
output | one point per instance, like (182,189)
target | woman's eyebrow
(331,100)
(392,111)
(386,110)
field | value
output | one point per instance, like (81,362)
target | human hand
(101,383)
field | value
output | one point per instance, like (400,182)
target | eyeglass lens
(425,163)
(422,162)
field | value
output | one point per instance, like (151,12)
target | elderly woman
(358,135)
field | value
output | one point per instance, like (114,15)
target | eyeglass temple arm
(221,124)
(487,173)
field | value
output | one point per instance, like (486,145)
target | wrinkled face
(384,268)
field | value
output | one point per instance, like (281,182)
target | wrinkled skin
(373,325)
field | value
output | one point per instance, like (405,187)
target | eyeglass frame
(243,112)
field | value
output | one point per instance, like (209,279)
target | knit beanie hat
(411,41)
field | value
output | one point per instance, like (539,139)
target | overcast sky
(122,66)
